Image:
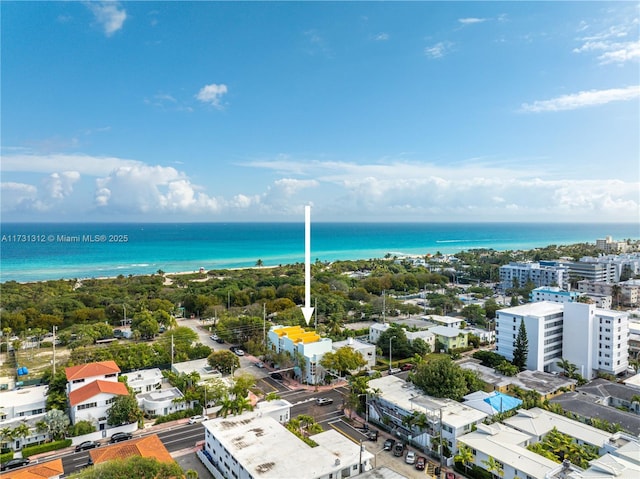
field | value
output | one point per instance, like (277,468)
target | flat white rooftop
(543,308)
(266,449)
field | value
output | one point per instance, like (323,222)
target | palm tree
(465,456)
(259,263)
(6,435)
(493,466)
(226,407)
(21,431)
(615,292)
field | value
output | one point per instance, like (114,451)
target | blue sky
(381,111)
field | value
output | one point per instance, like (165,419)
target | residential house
(366,350)
(450,338)
(23,406)
(92,388)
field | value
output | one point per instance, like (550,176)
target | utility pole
(172,350)
(54,349)
(390,339)
(384,306)
(264,324)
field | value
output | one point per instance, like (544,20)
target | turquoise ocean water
(34,252)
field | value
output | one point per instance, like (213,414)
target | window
(87,406)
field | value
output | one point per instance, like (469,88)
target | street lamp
(390,339)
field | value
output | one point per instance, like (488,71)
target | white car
(195,419)
(411,457)
(239,352)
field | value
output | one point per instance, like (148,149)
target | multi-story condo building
(628,293)
(553,294)
(608,245)
(544,273)
(592,270)
(298,343)
(594,340)
(544,324)
(92,388)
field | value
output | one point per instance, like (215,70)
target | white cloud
(611,52)
(583,99)
(212,94)
(17,196)
(83,164)
(438,50)
(382,37)
(471,20)
(60,185)
(109,15)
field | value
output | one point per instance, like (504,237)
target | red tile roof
(97,387)
(148,446)
(44,470)
(92,369)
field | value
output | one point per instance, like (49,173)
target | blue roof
(501,402)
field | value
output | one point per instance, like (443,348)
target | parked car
(324,401)
(14,463)
(259,364)
(421,463)
(388,444)
(410,458)
(277,376)
(120,436)
(398,449)
(220,341)
(395,370)
(83,446)
(372,435)
(214,337)
(407,367)
(196,418)
(239,352)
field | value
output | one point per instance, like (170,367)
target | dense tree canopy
(134,466)
(343,360)
(441,377)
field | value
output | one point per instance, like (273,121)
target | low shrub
(46,447)
(6,456)
(174,416)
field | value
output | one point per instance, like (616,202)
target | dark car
(421,463)
(388,444)
(407,367)
(121,436)
(83,446)
(372,435)
(398,449)
(14,463)
(277,376)
(324,401)
(220,341)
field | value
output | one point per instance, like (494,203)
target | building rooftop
(603,388)
(24,396)
(538,422)
(447,331)
(161,395)
(147,446)
(297,334)
(507,446)
(89,370)
(408,397)
(41,470)
(96,387)
(542,308)
(587,406)
(491,403)
(201,366)
(266,449)
(354,344)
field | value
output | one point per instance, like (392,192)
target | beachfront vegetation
(91,315)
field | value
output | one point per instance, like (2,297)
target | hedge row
(46,447)
(6,456)
(174,416)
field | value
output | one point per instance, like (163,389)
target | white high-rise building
(544,273)
(594,340)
